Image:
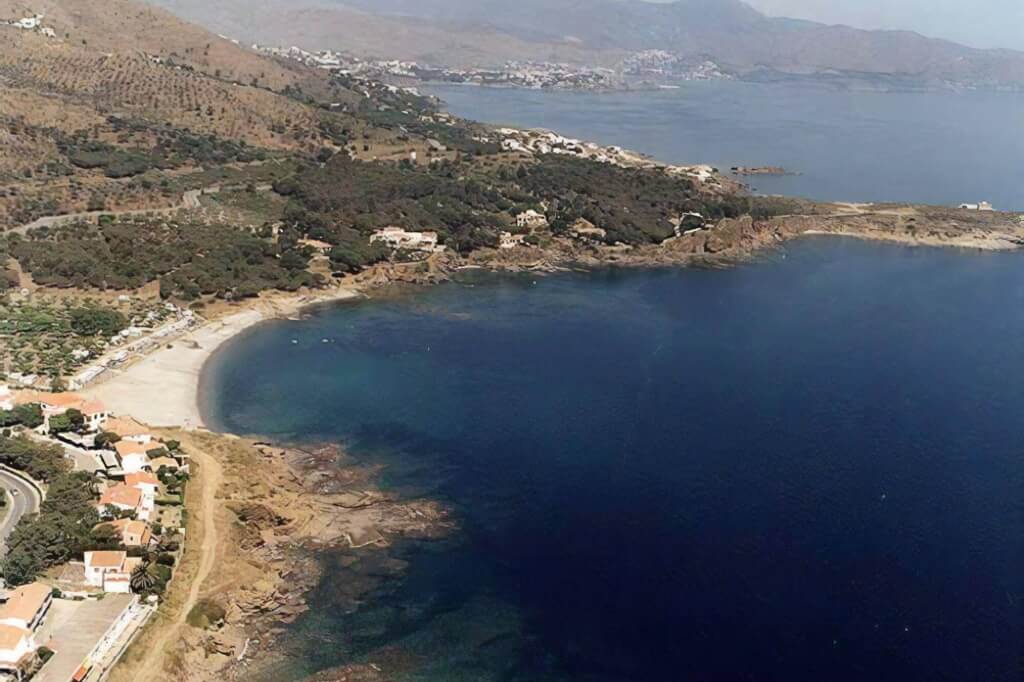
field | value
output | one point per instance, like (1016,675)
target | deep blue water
(941,148)
(804,468)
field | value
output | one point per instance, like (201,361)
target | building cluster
(981,206)
(138,497)
(533,75)
(133,340)
(32,23)
(664,66)
(537,141)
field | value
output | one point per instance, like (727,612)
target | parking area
(73,628)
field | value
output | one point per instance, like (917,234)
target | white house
(397,238)
(146,483)
(17,650)
(6,398)
(982,206)
(27,606)
(532,220)
(133,455)
(507,240)
(54,404)
(111,571)
(125,498)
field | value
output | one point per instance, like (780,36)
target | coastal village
(72,619)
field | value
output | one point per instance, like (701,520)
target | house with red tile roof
(133,533)
(110,571)
(26,606)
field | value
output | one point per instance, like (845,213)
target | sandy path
(210,475)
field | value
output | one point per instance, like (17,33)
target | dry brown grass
(127,26)
(131,83)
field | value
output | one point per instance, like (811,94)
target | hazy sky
(981,23)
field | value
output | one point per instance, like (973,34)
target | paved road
(25,502)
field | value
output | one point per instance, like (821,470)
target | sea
(804,467)
(838,144)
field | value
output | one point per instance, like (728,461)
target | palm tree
(143,579)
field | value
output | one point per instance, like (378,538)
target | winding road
(26,501)
(189,200)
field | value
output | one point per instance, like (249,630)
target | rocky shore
(279,509)
(728,241)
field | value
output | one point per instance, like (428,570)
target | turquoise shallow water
(942,148)
(804,468)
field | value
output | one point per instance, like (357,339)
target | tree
(29,416)
(105,536)
(61,423)
(107,439)
(76,418)
(93,321)
(144,578)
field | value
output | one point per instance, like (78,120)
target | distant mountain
(486,32)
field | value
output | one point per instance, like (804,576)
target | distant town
(647,69)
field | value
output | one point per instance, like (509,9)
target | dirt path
(189,200)
(210,477)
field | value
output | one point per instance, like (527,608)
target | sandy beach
(161,389)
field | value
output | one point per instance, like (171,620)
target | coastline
(271,526)
(163,389)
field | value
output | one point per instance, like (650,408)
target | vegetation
(41,461)
(60,532)
(52,338)
(205,614)
(189,259)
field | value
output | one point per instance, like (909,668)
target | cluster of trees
(61,530)
(632,205)
(41,461)
(347,200)
(189,259)
(173,148)
(93,320)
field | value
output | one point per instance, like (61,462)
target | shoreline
(164,388)
(263,579)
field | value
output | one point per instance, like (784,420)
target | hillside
(104,104)
(598,32)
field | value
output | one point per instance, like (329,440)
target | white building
(17,650)
(531,220)
(27,606)
(94,412)
(397,238)
(983,206)
(507,240)
(110,571)
(29,23)
(6,398)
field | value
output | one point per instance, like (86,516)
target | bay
(806,467)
